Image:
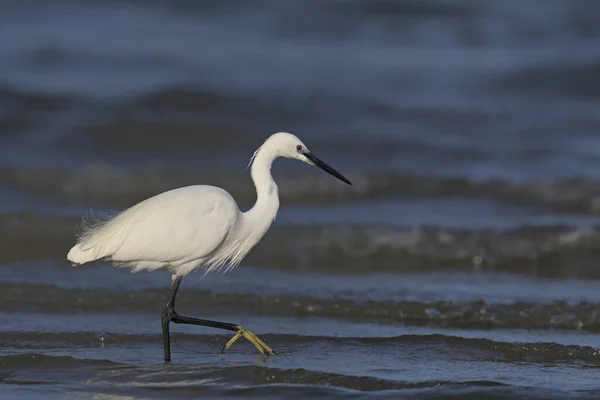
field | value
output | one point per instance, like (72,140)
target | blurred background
(463,260)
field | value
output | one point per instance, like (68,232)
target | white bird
(194,227)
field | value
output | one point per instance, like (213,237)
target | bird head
(284,144)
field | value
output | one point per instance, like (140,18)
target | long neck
(267,194)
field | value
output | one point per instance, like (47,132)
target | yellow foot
(252,338)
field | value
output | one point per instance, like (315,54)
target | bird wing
(177,226)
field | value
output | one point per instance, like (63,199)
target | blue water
(462,263)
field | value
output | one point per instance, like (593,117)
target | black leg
(169,315)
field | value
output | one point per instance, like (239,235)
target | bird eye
(299,147)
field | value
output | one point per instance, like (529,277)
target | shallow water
(462,263)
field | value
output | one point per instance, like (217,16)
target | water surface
(462,263)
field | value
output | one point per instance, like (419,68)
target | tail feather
(90,237)
(79,256)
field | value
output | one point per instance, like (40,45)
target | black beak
(326,167)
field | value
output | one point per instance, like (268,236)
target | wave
(160,377)
(157,138)
(549,251)
(21,109)
(576,81)
(104,379)
(408,9)
(105,185)
(33,100)
(539,352)
(261,375)
(37,360)
(575,316)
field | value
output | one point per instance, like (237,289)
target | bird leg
(169,315)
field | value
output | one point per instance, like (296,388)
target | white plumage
(196,226)
(178,229)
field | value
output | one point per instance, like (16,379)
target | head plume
(255,154)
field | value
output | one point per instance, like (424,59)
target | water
(462,263)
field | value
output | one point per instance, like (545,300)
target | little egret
(194,227)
